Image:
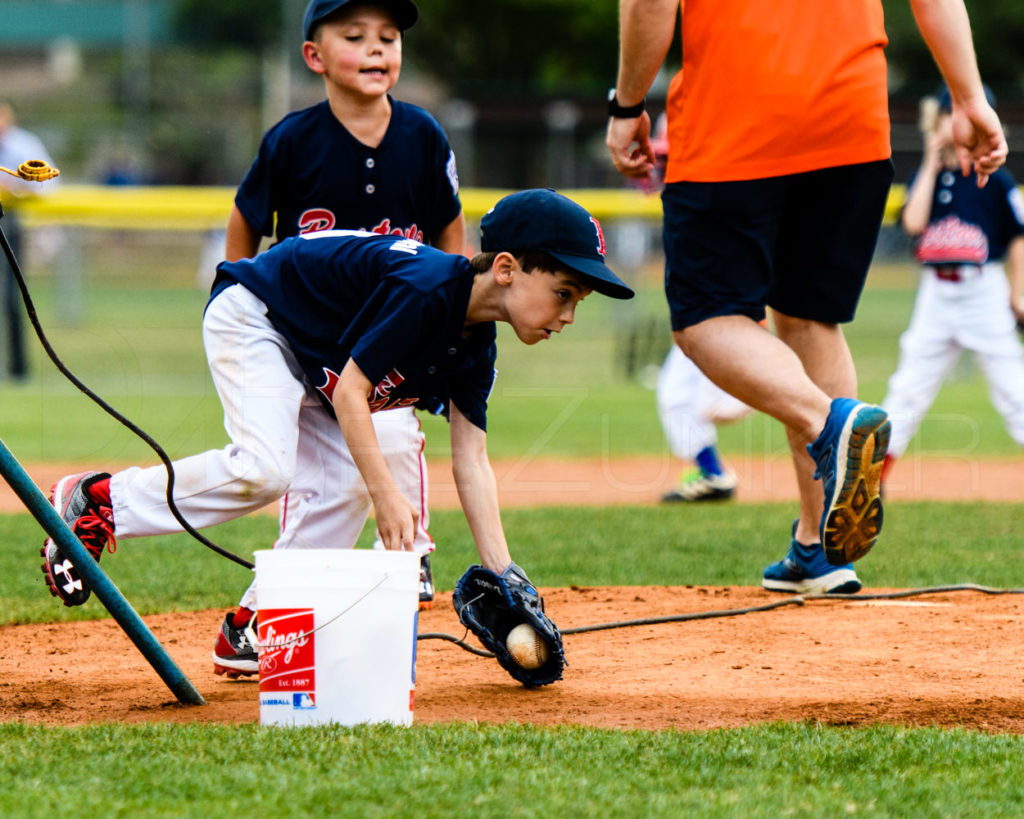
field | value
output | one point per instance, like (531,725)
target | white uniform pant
(283,445)
(690,405)
(971,314)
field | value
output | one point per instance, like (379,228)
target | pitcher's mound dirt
(949,659)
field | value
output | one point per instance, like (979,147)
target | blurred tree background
(998,27)
(180,91)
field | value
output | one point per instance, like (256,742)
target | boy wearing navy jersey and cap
(363,323)
(970,243)
(360,160)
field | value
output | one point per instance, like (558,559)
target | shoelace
(96,531)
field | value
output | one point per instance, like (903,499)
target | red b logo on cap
(600,236)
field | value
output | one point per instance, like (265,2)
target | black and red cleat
(92,523)
(235,654)
(426,584)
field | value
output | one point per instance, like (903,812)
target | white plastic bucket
(337,635)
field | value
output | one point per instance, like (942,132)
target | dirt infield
(952,659)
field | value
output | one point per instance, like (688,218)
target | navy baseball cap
(405,12)
(946,99)
(541,219)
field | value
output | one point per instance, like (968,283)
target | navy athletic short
(801,244)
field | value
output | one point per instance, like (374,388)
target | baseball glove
(491,605)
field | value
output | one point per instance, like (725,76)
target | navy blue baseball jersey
(968,224)
(395,306)
(315,175)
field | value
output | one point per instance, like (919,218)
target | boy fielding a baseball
(363,322)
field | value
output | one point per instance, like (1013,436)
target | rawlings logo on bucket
(287,651)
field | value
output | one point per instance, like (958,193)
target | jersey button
(369,162)
(371,188)
(452,350)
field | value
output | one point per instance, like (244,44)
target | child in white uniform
(965,301)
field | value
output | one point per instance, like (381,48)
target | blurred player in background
(964,302)
(359,160)
(17,145)
(778,174)
(690,405)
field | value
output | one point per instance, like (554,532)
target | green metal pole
(104,589)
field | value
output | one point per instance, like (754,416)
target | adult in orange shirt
(778,174)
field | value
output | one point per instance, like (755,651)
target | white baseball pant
(690,405)
(283,445)
(949,317)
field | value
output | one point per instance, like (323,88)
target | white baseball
(526,647)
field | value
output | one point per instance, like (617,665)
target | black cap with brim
(541,219)
(598,276)
(405,12)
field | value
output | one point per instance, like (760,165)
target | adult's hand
(629,143)
(979,139)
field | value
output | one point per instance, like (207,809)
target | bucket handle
(347,609)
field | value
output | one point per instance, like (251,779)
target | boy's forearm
(478,493)
(353,412)
(357,430)
(918,208)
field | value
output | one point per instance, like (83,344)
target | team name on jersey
(952,241)
(315,220)
(384,228)
(380,399)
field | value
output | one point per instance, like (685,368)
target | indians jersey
(968,224)
(395,306)
(315,175)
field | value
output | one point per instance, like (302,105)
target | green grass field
(629,545)
(522,770)
(140,347)
(509,770)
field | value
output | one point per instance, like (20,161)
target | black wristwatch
(624,111)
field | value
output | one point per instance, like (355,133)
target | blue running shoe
(804,570)
(849,455)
